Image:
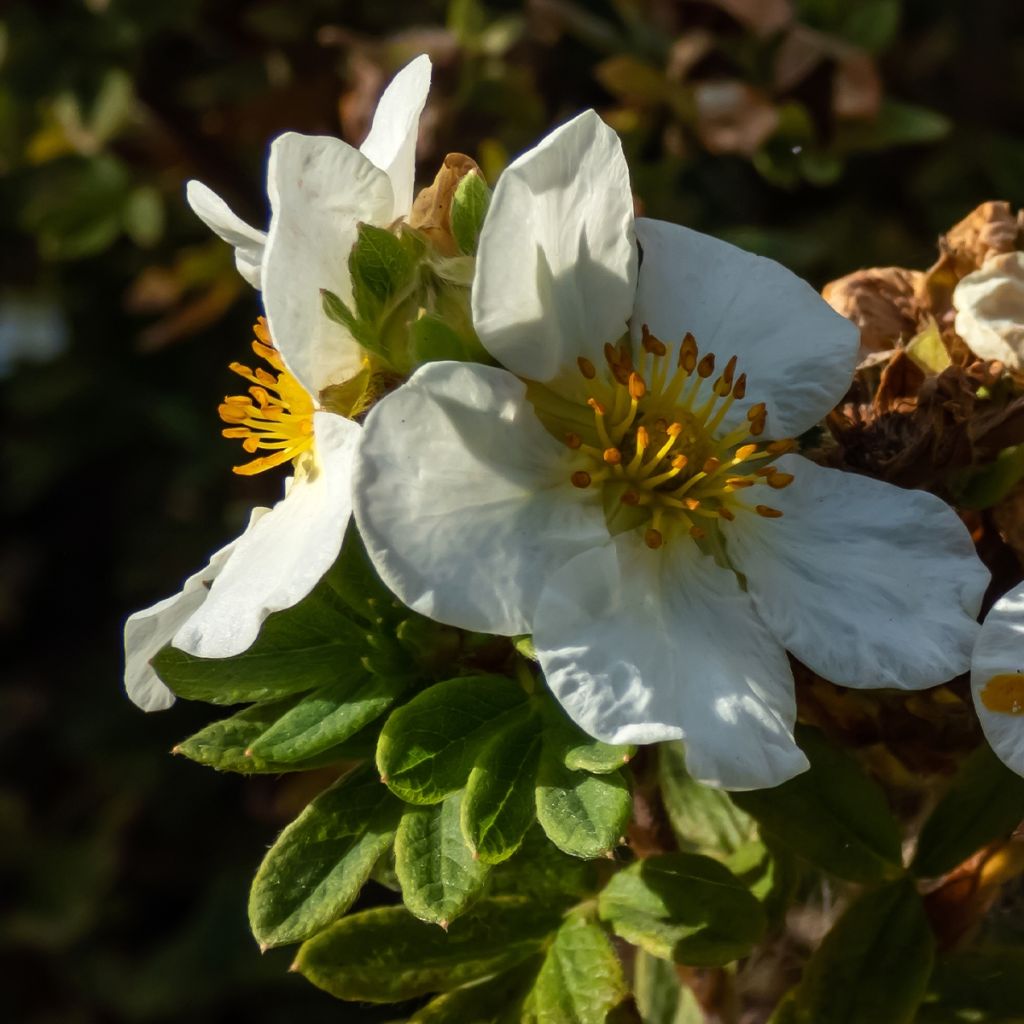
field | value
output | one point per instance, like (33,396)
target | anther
(679,462)
(782,447)
(653,539)
(757,427)
(581,479)
(612,456)
(587,368)
(768,512)
(643,439)
(737,483)
(730,370)
(755,412)
(706,366)
(780,480)
(744,452)
(712,465)
(630,498)
(610,354)
(597,406)
(765,471)
(739,389)
(674,429)
(637,387)
(691,503)
(688,353)
(650,343)
(727,514)
(574,441)
(697,533)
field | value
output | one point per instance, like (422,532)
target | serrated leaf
(226,744)
(315,870)
(703,819)
(427,747)
(832,815)
(581,979)
(873,966)
(583,815)
(984,802)
(381,267)
(440,877)
(683,907)
(386,955)
(328,716)
(469,207)
(496,1000)
(660,996)
(309,645)
(499,804)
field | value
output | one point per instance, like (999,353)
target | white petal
(465,501)
(556,265)
(146,632)
(319,189)
(278,562)
(641,646)
(221,220)
(990,309)
(1000,651)
(391,143)
(868,584)
(797,352)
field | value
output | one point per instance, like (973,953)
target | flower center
(658,447)
(276,415)
(1005,693)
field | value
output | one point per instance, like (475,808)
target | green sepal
(427,747)
(386,955)
(984,802)
(432,339)
(382,266)
(316,868)
(439,876)
(226,744)
(873,966)
(469,207)
(499,804)
(301,648)
(580,980)
(832,815)
(328,716)
(683,907)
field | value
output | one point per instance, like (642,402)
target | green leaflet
(314,871)
(660,996)
(383,266)
(771,875)
(304,647)
(873,966)
(985,801)
(580,980)
(427,747)
(703,819)
(540,870)
(683,907)
(832,815)
(328,716)
(227,744)
(499,803)
(386,955)
(440,877)
(469,207)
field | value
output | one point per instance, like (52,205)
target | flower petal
(990,309)
(221,220)
(391,142)
(320,189)
(556,265)
(465,501)
(278,562)
(797,352)
(146,632)
(868,584)
(1000,652)
(641,646)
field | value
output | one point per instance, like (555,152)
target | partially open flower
(625,488)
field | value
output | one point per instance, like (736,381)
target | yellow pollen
(276,415)
(637,387)
(612,456)
(587,368)
(1005,694)
(744,452)
(594,404)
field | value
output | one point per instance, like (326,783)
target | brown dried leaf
(901,381)
(733,117)
(857,88)
(881,301)
(988,230)
(763,17)
(431,209)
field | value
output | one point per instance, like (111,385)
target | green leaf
(873,966)
(984,802)
(382,267)
(328,716)
(226,744)
(987,983)
(469,207)
(499,805)
(299,649)
(597,757)
(583,815)
(771,875)
(428,746)
(683,907)
(496,1000)
(354,579)
(387,955)
(988,484)
(896,124)
(337,311)
(660,996)
(314,871)
(540,870)
(832,815)
(704,819)
(581,979)
(440,877)
(431,339)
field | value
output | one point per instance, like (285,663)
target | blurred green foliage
(827,134)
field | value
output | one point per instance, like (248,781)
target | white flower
(319,190)
(990,309)
(637,511)
(997,678)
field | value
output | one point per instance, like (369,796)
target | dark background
(853,134)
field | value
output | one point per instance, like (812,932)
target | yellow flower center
(1005,694)
(275,416)
(656,445)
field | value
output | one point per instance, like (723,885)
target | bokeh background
(828,134)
